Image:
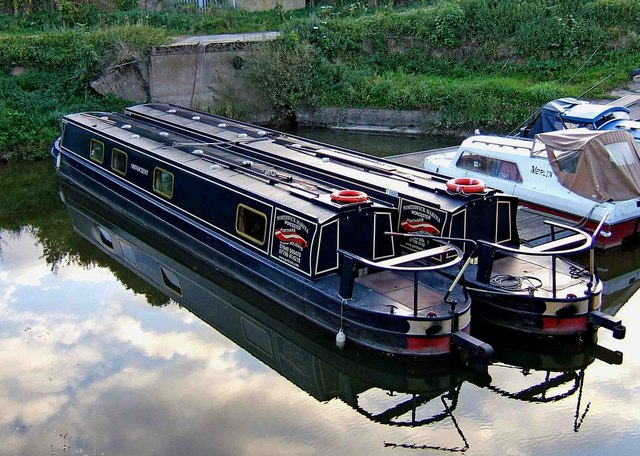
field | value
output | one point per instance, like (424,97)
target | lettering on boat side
(422,212)
(140,169)
(419,219)
(540,171)
(291,237)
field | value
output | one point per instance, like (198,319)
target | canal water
(95,360)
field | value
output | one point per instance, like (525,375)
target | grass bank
(485,63)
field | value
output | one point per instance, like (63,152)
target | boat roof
(590,112)
(602,165)
(502,144)
(382,175)
(553,115)
(258,179)
(632,126)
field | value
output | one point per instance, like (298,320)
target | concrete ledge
(374,120)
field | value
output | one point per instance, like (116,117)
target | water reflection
(379,145)
(542,371)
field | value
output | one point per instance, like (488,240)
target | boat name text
(421,211)
(293,222)
(140,169)
(540,171)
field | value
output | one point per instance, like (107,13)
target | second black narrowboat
(532,289)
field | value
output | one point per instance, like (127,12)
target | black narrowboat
(324,251)
(530,289)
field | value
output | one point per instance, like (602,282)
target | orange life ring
(465,185)
(349,196)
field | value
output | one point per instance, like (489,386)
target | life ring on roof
(349,196)
(465,185)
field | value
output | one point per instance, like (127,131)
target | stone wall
(265,5)
(129,81)
(208,73)
(155,5)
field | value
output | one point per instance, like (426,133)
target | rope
(514,283)
(342,303)
(577,271)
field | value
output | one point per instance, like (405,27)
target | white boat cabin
(580,172)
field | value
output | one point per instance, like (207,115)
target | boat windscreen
(599,165)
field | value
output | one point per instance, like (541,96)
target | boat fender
(349,196)
(341,338)
(465,185)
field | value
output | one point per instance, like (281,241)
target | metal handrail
(587,242)
(347,279)
(427,255)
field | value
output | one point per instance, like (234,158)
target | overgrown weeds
(481,63)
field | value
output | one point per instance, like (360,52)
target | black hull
(534,315)
(288,344)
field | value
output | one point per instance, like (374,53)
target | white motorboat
(580,174)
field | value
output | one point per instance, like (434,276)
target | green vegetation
(485,63)
(45,75)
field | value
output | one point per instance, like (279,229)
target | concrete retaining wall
(266,5)
(201,72)
(373,120)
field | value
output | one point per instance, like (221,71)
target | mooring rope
(514,283)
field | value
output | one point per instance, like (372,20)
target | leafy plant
(475,62)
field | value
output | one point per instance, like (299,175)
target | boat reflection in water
(548,370)
(543,370)
(405,391)
(621,275)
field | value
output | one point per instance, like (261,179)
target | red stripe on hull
(552,325)
(431,345)
(618,231)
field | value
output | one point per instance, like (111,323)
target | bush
(286,72)
(46,85)
(476,62)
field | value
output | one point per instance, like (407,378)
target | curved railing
(394,264)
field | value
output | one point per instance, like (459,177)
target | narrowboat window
(105,237)
(163,182)
(96,151)
(491,166)
(251,224)
(119,161)
(171,280)
(128,252)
